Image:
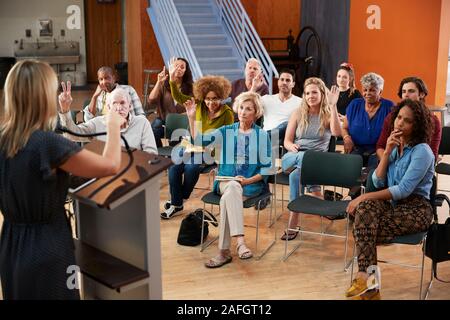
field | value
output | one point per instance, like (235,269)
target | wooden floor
(314,271)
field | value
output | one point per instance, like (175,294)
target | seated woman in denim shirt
(406,173)
(245,154)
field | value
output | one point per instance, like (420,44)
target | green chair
(419,238)
(214,199)
(330,169)
(282,178)
(444,149)
(174,121)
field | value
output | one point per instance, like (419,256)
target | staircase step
(203,28)
(219,63)
(188,18)
(193,8)
(191,1)
(207,39)
(213,51)
(230,74)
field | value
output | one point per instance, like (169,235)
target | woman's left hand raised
(333,95)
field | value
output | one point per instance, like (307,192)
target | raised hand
(191,108)
(173,67)
(162,76)
(333,95)
(65,97)
(257,82)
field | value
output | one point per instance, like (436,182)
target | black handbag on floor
(190,232)
(438,243)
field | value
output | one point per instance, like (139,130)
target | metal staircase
(215,36)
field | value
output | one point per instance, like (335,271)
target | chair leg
(427,291)
(287,254)
(259,256)
(347,264)
(206,244)
(421,273)
(352,263)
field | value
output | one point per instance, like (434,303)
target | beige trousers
(231,213)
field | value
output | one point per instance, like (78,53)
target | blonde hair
(324,111)
(29,104)
(249,96)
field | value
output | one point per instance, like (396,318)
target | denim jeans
(370,158)
(182,188)
(294,159)
(281,132)
(158,131)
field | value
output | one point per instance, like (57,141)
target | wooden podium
(118,246)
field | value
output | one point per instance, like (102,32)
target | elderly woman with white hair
(135,129)
(364,119)
(245,158)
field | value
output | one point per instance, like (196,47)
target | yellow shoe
(359,285)
(369,295)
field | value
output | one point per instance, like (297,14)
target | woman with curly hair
(402,207)
(209,91)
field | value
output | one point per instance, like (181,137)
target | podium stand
(118,246)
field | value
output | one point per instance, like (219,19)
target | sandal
(218,261)
(245,253)
(289,236)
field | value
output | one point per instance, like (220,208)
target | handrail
(244,36)
(175,36)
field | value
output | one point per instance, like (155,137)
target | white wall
(18,15)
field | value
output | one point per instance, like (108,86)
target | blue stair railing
(174,42)
(171,33)
(244,36)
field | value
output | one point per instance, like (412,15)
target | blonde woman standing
(309,128)
(36,246)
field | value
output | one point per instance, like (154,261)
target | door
(103,35)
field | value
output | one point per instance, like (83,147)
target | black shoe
(167,204)
(169,213)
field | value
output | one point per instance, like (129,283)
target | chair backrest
(331,169)
(176,121)
(444,146)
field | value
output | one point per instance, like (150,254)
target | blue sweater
(258,155)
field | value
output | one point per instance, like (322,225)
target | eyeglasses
(214,100)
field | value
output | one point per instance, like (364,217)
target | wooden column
(143,50)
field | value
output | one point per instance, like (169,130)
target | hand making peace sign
(65,97)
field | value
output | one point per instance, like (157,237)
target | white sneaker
(171,211)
